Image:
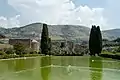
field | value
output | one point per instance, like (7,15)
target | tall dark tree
(95,40)
(49,45)
(92,40)
(99,41)
(44,40)
(62,45)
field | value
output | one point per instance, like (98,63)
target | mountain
(114,33)
(70,32)
(55,31)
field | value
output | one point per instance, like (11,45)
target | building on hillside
(25,42)
(35,45)
(28,43)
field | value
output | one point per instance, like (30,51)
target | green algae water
(60,68)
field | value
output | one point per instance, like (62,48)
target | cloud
(112,12)
(9,22)
(57,12)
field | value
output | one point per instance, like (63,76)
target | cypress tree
(50,45)
(93,40)
(99,41)
(44,40)
(62,45)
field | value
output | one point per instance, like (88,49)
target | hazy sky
(15,13)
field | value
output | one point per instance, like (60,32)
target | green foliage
(1,42)
(5,56)
(28,50)
(9,51)
(33,52)
(99,41)
(31,55)
(92,38)
(113,56)
(95,40)
(117,40)
(49,45)
(62,45)
(44,40)
(19,49)
(118,50)
(2,53)
(105,40)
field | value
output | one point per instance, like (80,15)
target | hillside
(70,32)
(114,33)
(55,31)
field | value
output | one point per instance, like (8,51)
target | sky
(16,13)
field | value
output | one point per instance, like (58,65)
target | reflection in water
(19,65)
(66,61)
(9,63)
(46,67)
(22,64)
(95,64)
(64,68)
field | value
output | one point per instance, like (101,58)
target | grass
(6,56)
(107,54)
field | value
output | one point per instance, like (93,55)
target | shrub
(19,49)
(6,56)
(13,56)
(118,50)
(113,51)
(62,45)
(113,56)
(39,52)
(117,40)
(28,50)
(2,53)
(1,42)
(33,52)
(9,51)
